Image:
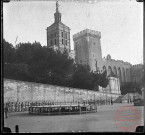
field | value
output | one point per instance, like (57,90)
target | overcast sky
(120,24)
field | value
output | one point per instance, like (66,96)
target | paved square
(102,121)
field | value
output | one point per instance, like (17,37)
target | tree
(130,87)
(25,52)
(17,71)
(51,66)
(32,62)
(85,79)
(9,52)
(82,77)
(43,64)
(103,80)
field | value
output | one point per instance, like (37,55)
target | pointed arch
(123,75)
(119,75)
(115,71)
(109,70)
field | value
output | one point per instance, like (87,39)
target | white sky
(120,24)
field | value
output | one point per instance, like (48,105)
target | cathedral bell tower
(58,34)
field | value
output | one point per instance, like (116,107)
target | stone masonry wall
(20,91)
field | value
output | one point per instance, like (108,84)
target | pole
(144,50)
(17,129)
(87,96)
(106,98)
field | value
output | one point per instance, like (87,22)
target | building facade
(117,68)
(58,34)
(87,51)
(87,46)
(137,73)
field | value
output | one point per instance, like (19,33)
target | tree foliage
(130,87)
(36,63)
(103,81)
(82,77)
(85,79)
(8,51)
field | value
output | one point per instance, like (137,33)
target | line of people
(24,106)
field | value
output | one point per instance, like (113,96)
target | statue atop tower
(57,5)
(57,15)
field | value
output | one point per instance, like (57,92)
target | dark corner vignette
(140,0)
(6,1)
(142,128)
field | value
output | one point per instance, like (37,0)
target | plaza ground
(101,121)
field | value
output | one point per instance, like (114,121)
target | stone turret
(87,31)
(87,47)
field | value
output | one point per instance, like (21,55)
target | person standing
(6,111)
(111,102)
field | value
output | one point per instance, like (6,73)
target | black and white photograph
(72,66)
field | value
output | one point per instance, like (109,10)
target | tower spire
(57,15)
(57,5)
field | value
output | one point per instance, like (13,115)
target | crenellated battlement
(108,58)
(123,62)
(137,65)
(118,61)
(127,63)
(87,31)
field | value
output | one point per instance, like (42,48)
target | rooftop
(89,31)
(56,24)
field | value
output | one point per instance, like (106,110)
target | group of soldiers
(24,106)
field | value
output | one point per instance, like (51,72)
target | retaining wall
(21,91)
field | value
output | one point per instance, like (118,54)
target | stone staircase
(118,99)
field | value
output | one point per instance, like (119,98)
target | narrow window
(62,34)
(48,36)
(62,41)
(66,42)
(51,42)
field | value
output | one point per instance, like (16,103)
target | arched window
(66,42)
(51,42)
(62,41)
(123,75)
(119,75)
(109,71)
(96,65)
(115,71)
(55,34)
